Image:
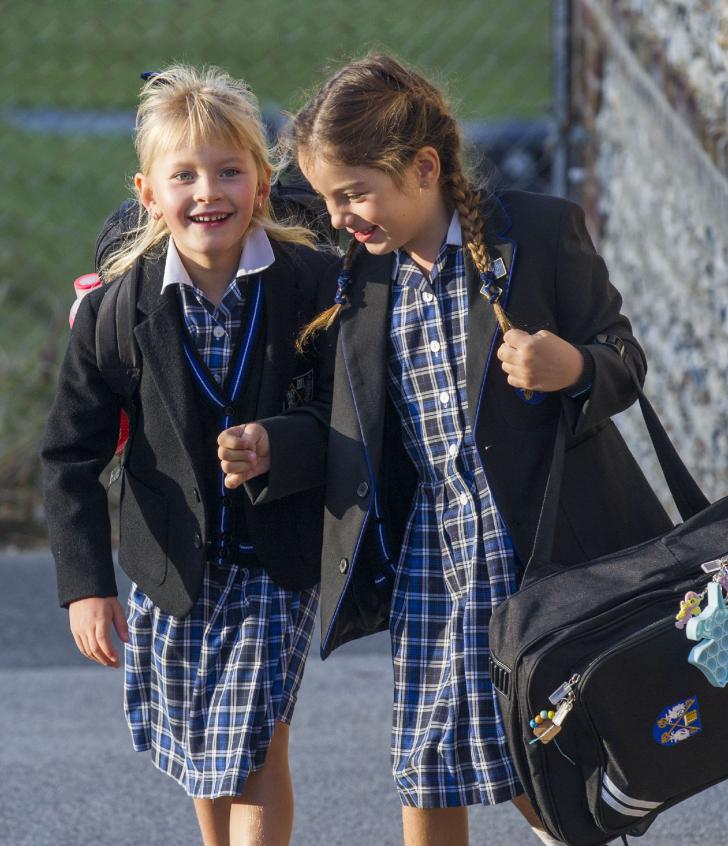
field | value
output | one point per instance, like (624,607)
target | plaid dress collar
(214,329)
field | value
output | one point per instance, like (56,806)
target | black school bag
(117,357)
(641,728)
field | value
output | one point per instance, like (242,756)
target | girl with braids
(462,327)
(223,596)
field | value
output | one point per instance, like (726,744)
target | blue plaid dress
(203,692)
(457,561)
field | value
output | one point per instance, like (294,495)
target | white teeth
(208,218)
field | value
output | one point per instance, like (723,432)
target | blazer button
(229,411)
(343,565)
(362,489)
(197,540)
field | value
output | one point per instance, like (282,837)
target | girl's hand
(540,362)
(89,619)
(244,453)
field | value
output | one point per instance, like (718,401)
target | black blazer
(555,281)
(163,521)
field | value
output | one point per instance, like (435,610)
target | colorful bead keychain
(547,723)
(708,625)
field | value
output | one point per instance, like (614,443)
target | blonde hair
(375,112)
(183,106)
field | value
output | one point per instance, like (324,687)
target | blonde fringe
(327,318)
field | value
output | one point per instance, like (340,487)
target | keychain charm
(548,723)
(689,607)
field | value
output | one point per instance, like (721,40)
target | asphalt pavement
(68,775)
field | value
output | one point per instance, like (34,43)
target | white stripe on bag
(619,807)
(609,787)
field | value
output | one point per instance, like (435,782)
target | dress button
(197,540)
(427,297)
(362,489)
(435,346)
(452,450)
(343,565)
(218,331)
(463,499)
(444,398)
(229,411)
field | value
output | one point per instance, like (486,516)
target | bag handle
(685,491)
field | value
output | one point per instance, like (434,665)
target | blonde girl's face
(207,198)
(378,212)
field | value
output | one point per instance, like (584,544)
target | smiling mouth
(210,218)
(363,235)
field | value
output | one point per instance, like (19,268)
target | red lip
(363,235)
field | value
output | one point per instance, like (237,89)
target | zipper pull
(564,690)
(115,474)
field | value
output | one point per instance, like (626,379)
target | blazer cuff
(586,380)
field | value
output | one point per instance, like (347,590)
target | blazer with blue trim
(164,519)
(555,281)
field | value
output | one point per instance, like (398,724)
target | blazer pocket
(143,528)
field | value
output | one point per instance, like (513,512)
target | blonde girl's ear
(427,167)
(146,195)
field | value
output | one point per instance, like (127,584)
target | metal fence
(69,81)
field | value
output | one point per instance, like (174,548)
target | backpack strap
(117,355)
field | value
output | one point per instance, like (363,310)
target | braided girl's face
(380,213)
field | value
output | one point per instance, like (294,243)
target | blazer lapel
(160,339)
(482,325)
(363,339)
(281,320)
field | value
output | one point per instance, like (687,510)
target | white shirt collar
(454,237)
(257,255)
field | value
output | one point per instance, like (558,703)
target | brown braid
(327,318)
(467,203)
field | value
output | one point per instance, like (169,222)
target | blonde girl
(224,596)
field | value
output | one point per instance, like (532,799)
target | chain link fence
(68,87)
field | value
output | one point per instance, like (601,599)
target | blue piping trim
(506,293)
(325,640)
(245,355)
(212,391)
(200,376)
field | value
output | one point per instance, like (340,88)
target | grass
(493,58)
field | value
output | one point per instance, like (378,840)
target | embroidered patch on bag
(678,722)
(300,390)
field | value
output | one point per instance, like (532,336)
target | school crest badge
(678,722)
(300,390)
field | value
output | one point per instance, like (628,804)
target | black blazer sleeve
(79,441)
(299,437)
(589,306)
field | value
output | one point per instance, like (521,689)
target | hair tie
(342,284)
(489,289)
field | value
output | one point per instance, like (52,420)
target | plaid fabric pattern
(457,561)
(203,692)
(213,329)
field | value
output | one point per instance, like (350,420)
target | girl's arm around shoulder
(589,314)
(78,443)
(298,438)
